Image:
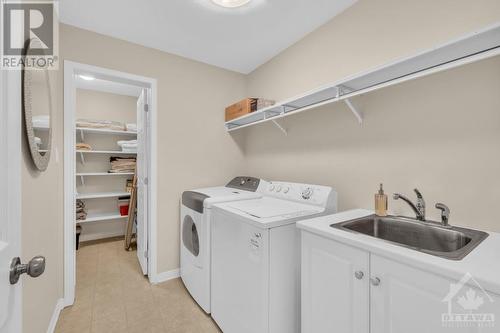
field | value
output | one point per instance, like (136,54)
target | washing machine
(255,280)
(195,256)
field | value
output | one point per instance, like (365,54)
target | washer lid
(267,207)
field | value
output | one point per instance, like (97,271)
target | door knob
(34,268)
(359,275)
(375,281)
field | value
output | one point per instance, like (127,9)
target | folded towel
(41,121)
(83,146)
(38,141)
(102,124)
(126,142)
(122,164)
(131,127)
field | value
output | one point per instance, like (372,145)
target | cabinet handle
(375,281)
(359,275)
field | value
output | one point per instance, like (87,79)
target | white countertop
(483,263)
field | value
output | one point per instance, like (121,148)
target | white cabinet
(333,298)
(407,299)
(413,301)
(390,297)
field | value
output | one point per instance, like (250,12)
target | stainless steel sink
(430,237)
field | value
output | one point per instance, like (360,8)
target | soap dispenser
(381,202)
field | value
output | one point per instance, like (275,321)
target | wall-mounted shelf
(104,131)
(83,130)
(471,48)
(99,195)
(110,152)
(102,217)
(82,175)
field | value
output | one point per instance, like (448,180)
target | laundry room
(230,166)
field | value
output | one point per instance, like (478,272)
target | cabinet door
(414,301)
(333,298)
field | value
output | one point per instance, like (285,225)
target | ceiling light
(87,77)
(231,3)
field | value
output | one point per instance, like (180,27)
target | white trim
(152,184)
(165,276)
(101,235)
(71,69)
(55,315)
(69,184)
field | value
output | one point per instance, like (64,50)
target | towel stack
(41,122)
(131,127)
(81,213)
(83,146)
(128,146)
(101,124)
(122,164)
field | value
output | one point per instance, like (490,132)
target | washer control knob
(271,188)
(307,193)
(286,189)
(242,182)
(278,188)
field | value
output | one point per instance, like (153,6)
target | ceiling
(108,86)
(238,39)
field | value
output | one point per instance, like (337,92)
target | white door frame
(71,69)
(10,197)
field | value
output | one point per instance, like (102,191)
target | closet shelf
(84,174)
(98,195)
(104,131)
(105,152)
(101,217)
(470,48)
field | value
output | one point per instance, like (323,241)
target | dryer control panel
(245,183)
(317,195)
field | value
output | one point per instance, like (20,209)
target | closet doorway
(109,146)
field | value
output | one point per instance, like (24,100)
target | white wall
(439,133)
(193,148)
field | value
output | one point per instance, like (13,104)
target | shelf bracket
(82,158)
(281,128)
(82,136)
(358,114)
(82,179)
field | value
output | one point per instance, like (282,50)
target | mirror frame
(40,161)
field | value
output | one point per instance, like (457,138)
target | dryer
(255,280)
(195,228)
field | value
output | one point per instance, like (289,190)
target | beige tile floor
(112,295)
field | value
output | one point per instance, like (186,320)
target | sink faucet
(419,208)
(445,214)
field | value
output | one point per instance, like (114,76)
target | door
(410,300)
(334,286)
(10,183)
(142,179)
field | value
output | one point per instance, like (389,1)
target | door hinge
(145,254)
(146,107)
(146,181)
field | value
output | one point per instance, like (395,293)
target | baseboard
(96,236)
(55,315)
(165,276)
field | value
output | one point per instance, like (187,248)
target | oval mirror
(37,106)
